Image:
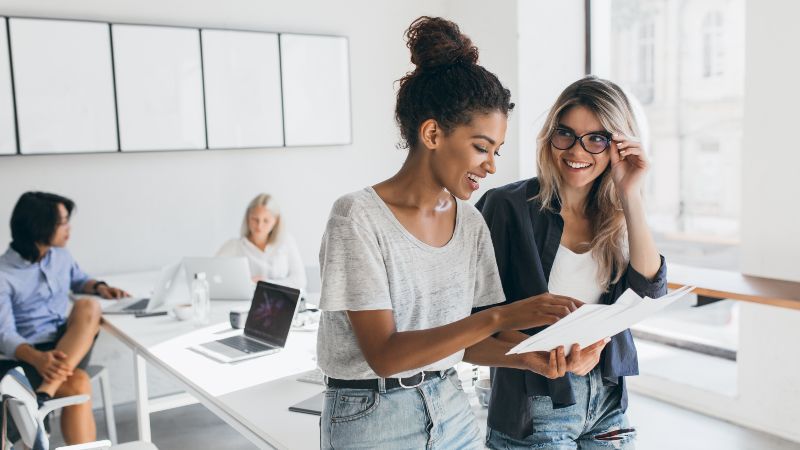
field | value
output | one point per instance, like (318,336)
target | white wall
(549,60)
(491,26)
(141,211)
(770,190)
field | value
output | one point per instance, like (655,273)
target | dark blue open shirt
(526,240)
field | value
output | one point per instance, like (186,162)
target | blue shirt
(34,296)
(526,240)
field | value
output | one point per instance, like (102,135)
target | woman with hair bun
(577,229)
(403,262)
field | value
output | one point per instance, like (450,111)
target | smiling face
(260,222)
(577,167)
(467,154)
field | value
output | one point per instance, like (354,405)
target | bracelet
(97,285)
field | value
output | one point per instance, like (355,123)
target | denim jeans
(434,415)
(594,422)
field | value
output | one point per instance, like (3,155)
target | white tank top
(575,275)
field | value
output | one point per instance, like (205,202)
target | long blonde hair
(603,208)
(263,200)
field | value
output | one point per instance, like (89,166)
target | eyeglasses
(594,143)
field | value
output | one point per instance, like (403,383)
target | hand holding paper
(592,323)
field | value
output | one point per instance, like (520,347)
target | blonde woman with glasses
(578,230)
(271,251)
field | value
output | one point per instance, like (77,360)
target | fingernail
(607,340)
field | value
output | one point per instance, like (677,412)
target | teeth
(472,177)
(577,165)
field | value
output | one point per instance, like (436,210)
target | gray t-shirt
(369,261)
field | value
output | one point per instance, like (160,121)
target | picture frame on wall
(242,79)
(8,129)
(159,88)
(64,87)
(73,86)
(315,74)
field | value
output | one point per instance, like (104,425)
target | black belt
(391,383)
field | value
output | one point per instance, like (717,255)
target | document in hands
(591,323)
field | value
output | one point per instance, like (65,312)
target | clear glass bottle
(201,299)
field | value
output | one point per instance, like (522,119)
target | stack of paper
(591,323)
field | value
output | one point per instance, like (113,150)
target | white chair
(100,374)
(29,418)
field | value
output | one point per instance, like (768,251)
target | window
(684,63)
(645,46)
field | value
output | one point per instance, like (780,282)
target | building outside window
(713,45)
(683,61)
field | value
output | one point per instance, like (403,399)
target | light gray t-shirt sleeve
(488,287)
(352,266)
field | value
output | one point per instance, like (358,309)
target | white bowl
(183,311)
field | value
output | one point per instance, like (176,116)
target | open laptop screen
(271,313)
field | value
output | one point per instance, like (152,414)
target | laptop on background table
(228,277)
(267,327)
(162,290)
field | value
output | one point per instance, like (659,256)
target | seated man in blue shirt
(36,275)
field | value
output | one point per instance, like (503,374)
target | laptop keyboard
(138,305)
(242,343)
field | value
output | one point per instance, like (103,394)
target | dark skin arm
(389,351)
(492,352)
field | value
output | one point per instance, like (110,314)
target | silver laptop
(228,278)
(267,327)
(164,287)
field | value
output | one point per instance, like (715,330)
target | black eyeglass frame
(575,137)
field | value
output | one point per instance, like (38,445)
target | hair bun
(436,42)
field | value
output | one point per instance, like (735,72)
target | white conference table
(252,396)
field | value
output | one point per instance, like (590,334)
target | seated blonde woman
(271,252)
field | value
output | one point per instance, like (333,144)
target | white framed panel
(8,133)
(63,81)
(159,88)
(242,82)
(316,90)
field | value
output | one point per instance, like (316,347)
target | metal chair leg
(101,374)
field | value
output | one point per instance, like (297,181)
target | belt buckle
(400,380)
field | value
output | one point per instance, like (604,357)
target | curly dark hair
(34,221)
(447,85)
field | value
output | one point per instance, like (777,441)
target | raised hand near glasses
(628,164)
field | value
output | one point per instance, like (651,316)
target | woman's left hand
(628,163)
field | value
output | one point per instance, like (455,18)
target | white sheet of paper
(554,334)
(572,323)
(596,322)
